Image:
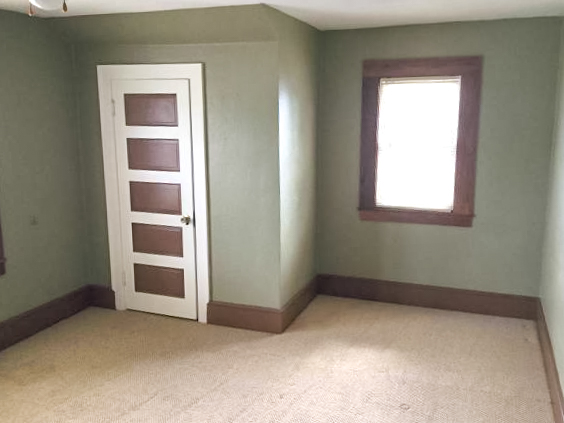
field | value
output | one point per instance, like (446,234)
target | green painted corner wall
(502,251)
(39,167)
(261,167)
(297,104)
(552,287)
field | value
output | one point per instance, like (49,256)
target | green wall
(39,167)
(552,288)
(297,92)
(262,72)
(502,252)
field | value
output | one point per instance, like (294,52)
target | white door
(152,128)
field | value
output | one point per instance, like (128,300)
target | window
(418,140)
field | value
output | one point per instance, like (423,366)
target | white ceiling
(334,14)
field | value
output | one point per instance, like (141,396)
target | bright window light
(417,138)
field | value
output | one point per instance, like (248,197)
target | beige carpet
(341,361)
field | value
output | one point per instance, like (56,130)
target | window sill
(426,217)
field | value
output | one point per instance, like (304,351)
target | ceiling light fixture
(46,5)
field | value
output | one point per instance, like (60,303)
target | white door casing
(185,80)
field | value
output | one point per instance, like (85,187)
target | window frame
(2,256)
(470,70)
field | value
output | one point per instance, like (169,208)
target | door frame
(194,73)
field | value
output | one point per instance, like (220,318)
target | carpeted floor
(341,361)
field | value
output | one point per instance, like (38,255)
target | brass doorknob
(186,220)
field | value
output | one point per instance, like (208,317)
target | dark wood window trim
(470,71)
(2,257)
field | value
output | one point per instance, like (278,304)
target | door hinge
(113,107)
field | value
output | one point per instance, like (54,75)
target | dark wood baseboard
(298,303)
(551,370)
(261,319)
(35,320)
(429,296)
(102,296)
(29,323)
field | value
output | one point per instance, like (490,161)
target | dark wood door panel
(157,239)
(150,197)
(158,280)
(151,154)
(151,110)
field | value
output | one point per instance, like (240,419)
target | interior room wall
(502,251)
(40,192)
(552,287)
(240,55)
(261,79)
(297,91)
